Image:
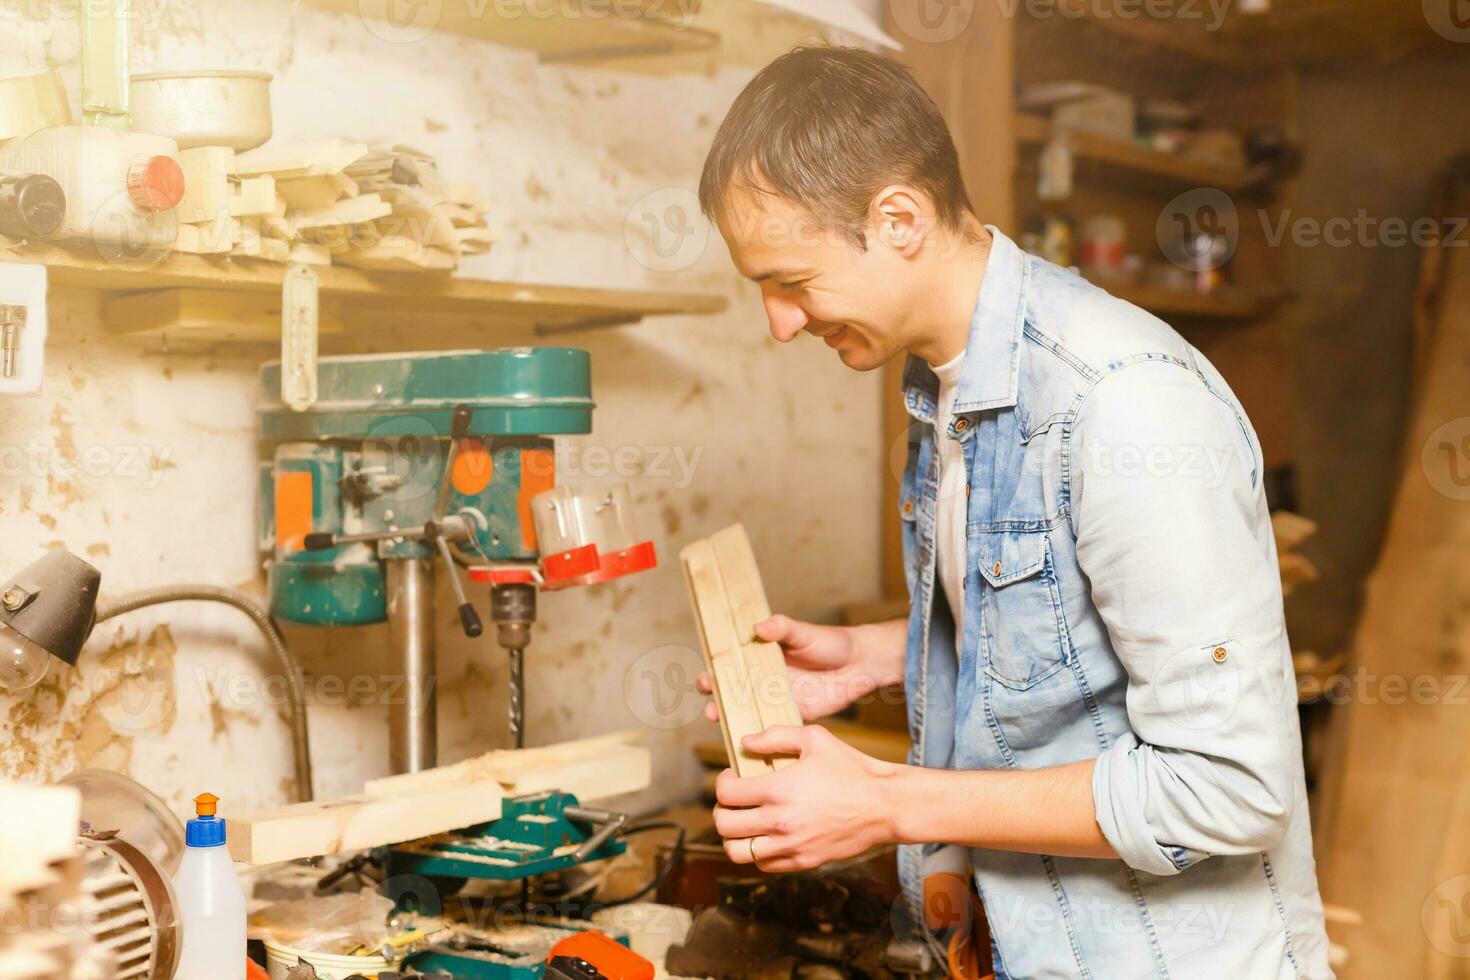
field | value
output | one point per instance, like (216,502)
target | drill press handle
(438,533)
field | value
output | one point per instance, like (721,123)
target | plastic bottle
(211,903)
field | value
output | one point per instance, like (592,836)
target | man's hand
(832,804)
(829,667)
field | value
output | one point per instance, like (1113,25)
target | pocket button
(1220,654)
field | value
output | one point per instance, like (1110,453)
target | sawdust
(671,518)
(98,550)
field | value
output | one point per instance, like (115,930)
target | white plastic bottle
(211,903)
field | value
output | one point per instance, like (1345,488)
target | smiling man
(1100,690)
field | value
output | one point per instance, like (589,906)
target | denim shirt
(1122,604)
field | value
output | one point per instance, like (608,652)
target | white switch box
(25,285)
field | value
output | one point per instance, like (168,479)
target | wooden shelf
(1135,157)
(1226,303)
(559,31)
(368,297)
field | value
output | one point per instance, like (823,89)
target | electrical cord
(675,856)
(295,679)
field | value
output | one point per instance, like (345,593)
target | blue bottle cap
(206,829)
(205,832)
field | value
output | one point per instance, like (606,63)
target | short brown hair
(829,127)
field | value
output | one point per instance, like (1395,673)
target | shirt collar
(992,365)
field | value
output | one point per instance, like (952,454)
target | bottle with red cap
(211,903)
(120,189)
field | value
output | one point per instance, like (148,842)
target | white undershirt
(952,516)
(953,510)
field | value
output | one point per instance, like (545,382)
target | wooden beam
(751,687)
(593,768)
(357,823)
(402,808)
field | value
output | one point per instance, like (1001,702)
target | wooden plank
(591,768)
(206,315)
(356,823)
(365,293)
(751,685)
(770,685)
(407,807)
(1395,845)
(1131,155)
(565,31)
(723,659)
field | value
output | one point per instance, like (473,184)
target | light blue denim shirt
(1122,604)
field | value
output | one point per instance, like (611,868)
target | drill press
(411,460)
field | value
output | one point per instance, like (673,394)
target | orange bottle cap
(206,804)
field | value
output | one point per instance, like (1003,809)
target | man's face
(814,280)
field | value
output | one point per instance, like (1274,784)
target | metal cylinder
(413,714)
(513,610)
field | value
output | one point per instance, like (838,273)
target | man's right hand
(829,667)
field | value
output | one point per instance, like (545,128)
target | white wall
(784,439)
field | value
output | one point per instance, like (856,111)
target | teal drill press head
(404,456)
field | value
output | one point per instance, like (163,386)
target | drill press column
(413,714)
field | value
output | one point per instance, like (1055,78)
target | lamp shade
(52,604)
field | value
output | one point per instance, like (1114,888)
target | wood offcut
(751,687)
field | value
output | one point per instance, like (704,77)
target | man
(1099,683)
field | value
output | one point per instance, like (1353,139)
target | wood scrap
(287,160)
(519,771)
(316,192)
(357,823)
(406,807)
(749,676)
(207,175)
(253,197)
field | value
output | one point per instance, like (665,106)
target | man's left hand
(831,804)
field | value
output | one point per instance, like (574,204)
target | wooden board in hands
(751,687)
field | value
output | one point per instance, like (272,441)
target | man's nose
(787,318)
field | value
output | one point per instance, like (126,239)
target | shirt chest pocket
(1023,626)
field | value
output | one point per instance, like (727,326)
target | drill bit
(518,696)
(12,319)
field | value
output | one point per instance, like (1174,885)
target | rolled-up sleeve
(1175,539)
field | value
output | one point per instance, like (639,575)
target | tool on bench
(411,458)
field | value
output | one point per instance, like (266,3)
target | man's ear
(903,219)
